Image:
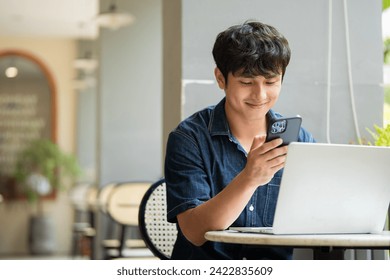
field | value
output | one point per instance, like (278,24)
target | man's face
(249,98)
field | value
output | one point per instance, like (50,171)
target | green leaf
(381,135)
(386,50)
(45,157)
(385,4)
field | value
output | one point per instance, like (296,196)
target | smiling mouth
(257,105)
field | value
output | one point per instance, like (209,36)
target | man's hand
(264,160)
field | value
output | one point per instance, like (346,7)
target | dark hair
(252,48)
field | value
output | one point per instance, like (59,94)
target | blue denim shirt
(203,157)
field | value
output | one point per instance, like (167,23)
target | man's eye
(246,83)
(272,82)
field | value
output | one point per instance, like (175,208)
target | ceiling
(67,18)
(49,18)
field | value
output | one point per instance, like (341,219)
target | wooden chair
(122,206)
(158,234)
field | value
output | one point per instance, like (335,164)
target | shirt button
(251,208)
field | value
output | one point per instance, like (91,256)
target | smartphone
(285,128)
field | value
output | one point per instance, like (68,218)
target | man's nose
(260,91)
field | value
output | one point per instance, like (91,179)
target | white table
(325,246)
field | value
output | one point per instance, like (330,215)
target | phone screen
(285,128)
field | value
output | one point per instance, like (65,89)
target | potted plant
(40,170)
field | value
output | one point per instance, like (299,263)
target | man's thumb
(258,140)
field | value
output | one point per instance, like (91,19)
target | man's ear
(220,78)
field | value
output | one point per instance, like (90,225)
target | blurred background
(106,81)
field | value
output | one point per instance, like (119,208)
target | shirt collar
(218,124)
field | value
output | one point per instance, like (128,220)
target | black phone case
(285,128)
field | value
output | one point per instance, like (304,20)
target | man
(219,170)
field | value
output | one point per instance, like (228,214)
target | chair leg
(122,241)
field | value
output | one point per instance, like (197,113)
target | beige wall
(57,55)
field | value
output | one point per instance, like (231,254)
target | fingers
(260,146)
(273,144)
(269,150)
(265,159)
(277,162)
(276,152)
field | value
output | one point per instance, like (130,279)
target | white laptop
(332,189)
